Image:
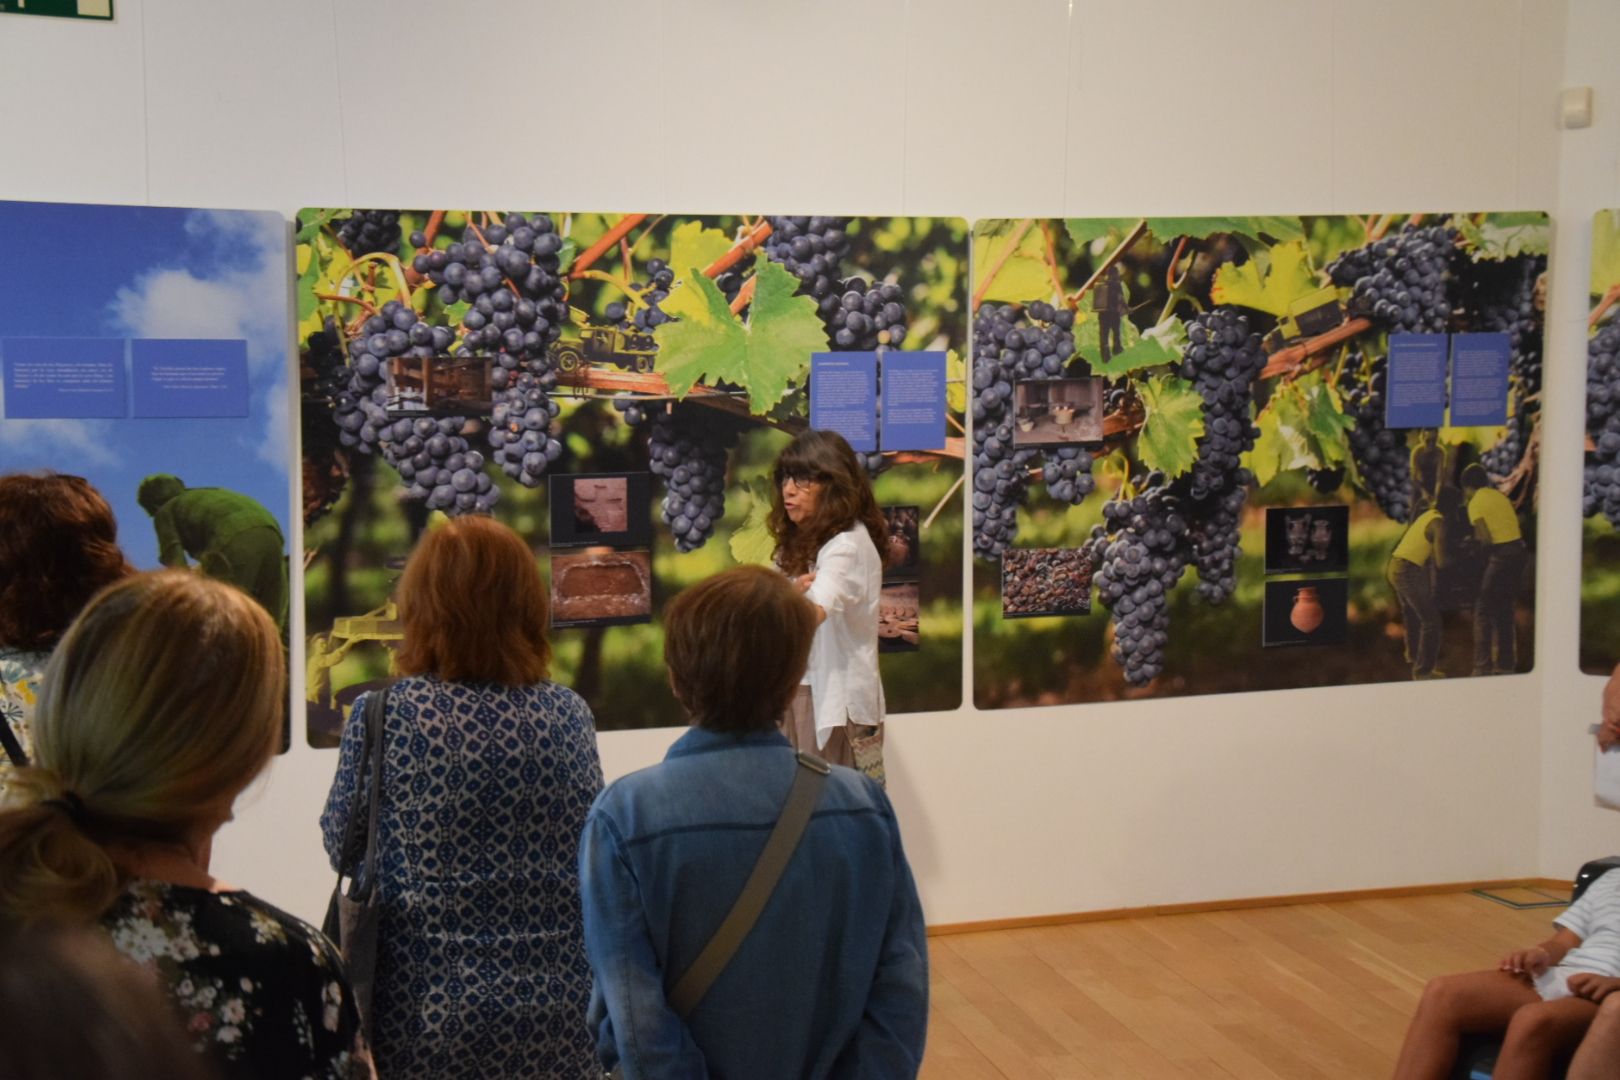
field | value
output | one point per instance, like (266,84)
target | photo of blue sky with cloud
(146,272)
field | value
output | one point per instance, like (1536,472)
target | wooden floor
(1291,993)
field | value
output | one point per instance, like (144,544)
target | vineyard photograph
(1600,548)
(616,388)
(1242,367)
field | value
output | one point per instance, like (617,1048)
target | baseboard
(1027,921)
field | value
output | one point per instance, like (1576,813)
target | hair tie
(69,803)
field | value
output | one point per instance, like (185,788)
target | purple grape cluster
(689,452)
(1401,282)
(1008,345)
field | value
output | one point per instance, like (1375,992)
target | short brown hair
(845,498)
(474,606)
(58,548)
(736,646)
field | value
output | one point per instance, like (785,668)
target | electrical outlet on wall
(1575,108)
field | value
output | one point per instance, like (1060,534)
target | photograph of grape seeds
(901,560)
(1306,612)
(1307,538)
(898,617)
(601,509)
(601,587)
(1045,581)
(1057,412)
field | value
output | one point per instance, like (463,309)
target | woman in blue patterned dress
(488,772)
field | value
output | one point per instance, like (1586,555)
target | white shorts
(1553,984)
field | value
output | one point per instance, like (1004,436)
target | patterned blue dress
(481,968)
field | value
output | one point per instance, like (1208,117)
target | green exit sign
(65,9)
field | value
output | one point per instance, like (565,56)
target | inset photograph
(1306,612)
(898,618)
(1057,412)
(601,509)
(1307,538)
(601,587)
(903,558)
(1045,581)
(438,386)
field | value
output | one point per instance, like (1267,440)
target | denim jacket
(833,979)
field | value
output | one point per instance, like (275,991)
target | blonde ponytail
(162,702)
(50,868)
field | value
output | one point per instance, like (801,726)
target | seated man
(832,979)
(1540,999)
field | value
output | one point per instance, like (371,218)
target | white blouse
(843,674)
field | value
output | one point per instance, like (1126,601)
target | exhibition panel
(1251,433)
(145,349)
(616,387)
(1600,548)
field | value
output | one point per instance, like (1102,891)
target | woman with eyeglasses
(829,534)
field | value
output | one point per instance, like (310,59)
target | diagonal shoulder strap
(371,722)
(376,711)
(808,780)
(13,748)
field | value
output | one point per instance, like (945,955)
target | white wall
(928,106)
(1572,829)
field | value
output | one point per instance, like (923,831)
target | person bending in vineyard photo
(1540,999)
(1496,524)
(829,532)
(232,537)
(1419,555)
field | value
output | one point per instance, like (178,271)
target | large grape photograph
(462,361)
(1380,370)
(1600,548)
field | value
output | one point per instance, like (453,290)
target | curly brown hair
(846,497)
(58,548)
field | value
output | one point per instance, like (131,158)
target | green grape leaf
(1270,290)
(708,344)
(1506,236)
(956,398)
(1282,229)
(752,542)
(1088,335)
(1024,275)
(1282,444)
(1175,420)
(1327,428)
(566,255)
(692,248)
(1163,344)
(1085,230)
(307,277)
(1270,451)
(311,222)
(1605,251)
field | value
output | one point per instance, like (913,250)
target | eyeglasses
(800,483)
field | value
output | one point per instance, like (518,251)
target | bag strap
(376,710)
(371,722)
(808,780)
(13,748)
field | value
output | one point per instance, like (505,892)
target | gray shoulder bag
(802,797)
(352,914)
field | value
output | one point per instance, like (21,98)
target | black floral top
(261,993)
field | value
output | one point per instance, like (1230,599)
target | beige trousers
(799,725)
